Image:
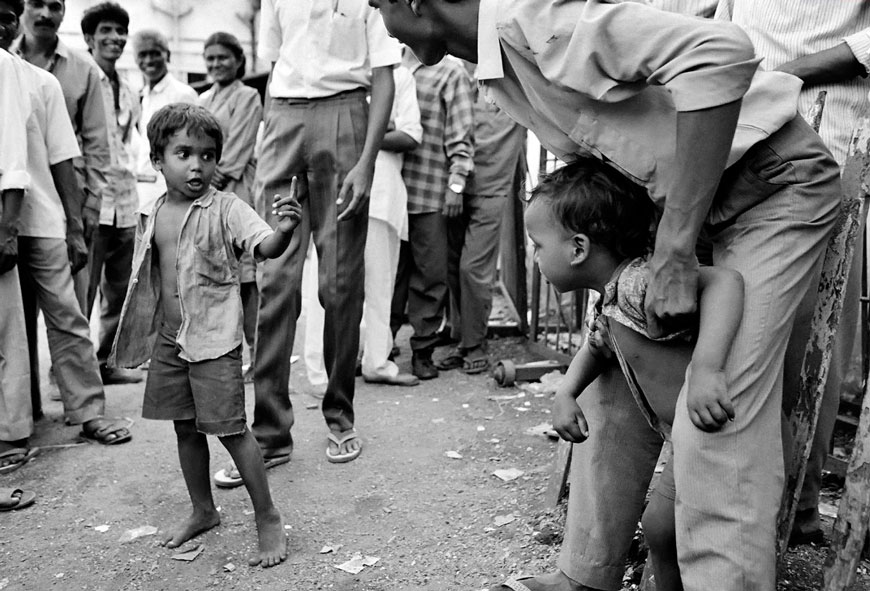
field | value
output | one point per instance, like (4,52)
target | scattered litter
(527,403)
(434,400)
(544,429)
(247,512)
(522,408)
(294,358)
(102,528)
(501,520)
(828,510)
(507,396)
(481,428)
(229,567)
(137,532)
(464,406)
(550,382)
(357,563)
(387,510)
(455,455)
(4,582)
(58,576)
(329,549)
(189,555)
(508,474)
(438,421)
(493,440)
(288,527)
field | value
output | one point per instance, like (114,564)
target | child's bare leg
(193,454)
(270,527)
(660,533)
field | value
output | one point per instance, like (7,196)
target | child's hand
(707,398)
(287,209)
(568,420)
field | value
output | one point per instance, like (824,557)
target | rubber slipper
(402,379)
(452,360)
(101,433)
(475,366)
(12,499)
(26,453)
(513,585)
(339,441)
(229,477)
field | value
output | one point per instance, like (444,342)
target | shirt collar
(159,87)
(489,64)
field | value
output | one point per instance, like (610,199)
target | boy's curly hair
(105,11)
(588,197)
(182,116)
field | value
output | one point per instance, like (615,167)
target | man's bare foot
(344,446)
(557,581)
(272,540)
(197,523)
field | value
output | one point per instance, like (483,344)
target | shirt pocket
(212,266)
(630,157)
(347,37)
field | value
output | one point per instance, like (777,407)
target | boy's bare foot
(272,541)
(197,523)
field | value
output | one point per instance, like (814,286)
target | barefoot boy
(591,229)
(183,310)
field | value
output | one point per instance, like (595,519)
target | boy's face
(416,30)
(151,59)
(555,249)
(108,41)
(8,25)
(188,164)
(42,18)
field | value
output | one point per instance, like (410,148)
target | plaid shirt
(445,156)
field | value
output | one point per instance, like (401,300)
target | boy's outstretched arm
(568,419)
(289,213)
(721,310)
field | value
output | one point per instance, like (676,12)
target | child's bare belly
(167,229)
(660,367)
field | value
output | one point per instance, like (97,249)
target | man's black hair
(105,11)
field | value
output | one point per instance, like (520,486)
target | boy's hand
(707,398)
(8,247)
(219,180)
(76,249)
(568,420)
(287,210)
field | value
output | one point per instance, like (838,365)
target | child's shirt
(216,229)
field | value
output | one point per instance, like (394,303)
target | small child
(592,229)
(183,311)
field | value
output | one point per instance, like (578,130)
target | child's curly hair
(588,197)
(182,116)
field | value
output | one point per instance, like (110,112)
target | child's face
(555,250)
(188,164)
(417,31)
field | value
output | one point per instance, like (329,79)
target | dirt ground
(433,522)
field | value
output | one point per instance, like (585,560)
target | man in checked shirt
(435,176)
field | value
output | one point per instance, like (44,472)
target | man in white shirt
(151,50)
(326,55)
(52,247)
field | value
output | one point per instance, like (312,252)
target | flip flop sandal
(26,454)
(101,434)
(339,441)
(229,477)
(515,584)
(452,360)
(475,366)
(12,499)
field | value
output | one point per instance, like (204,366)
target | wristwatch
(457,188)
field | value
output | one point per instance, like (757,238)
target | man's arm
(398,141)
(703,143)
(836,64)
(72,198)
(92,131)
(9,214)
(458,138)
(355,189)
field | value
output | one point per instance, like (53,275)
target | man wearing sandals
(51,248)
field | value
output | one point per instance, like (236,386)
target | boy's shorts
(211,392)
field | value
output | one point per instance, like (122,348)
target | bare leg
(270,527)
(193,455)
(660,532)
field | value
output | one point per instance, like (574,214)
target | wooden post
(850,528)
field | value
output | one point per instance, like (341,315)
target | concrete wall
(196,20)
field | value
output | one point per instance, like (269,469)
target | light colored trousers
(784,197)
(381,260)
(16,410)
(46,280)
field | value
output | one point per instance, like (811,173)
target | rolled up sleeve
(13,133)
(859,43)
(247,228)
(607,51)
(383,49)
